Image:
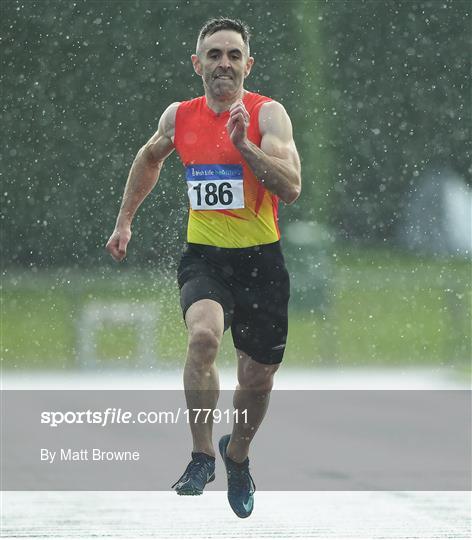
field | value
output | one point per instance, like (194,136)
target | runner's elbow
(292,194)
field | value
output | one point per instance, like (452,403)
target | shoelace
(194,468)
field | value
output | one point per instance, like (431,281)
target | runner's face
(223,63)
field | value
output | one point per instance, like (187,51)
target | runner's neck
(220,106)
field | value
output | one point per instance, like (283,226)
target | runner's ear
(248,67)
(196,64)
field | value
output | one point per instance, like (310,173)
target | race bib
(215,187)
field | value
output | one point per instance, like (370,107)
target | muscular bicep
(277,147)
(277,134)
(159,147)
(161,144)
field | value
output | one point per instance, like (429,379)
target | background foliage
(376,91)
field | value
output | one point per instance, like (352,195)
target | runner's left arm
(276,163)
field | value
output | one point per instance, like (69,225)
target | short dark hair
(223,23)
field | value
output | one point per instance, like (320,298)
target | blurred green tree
(397,73)
(84,86)
(376,91)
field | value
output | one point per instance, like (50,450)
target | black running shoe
(198,473)
(241,486)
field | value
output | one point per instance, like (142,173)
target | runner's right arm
(142,177)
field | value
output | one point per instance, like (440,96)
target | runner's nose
(225,62)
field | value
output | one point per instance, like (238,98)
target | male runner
(240,159)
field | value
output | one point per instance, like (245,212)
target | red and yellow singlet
(229,208)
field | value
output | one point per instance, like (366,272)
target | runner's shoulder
(272,116)
(271,108)
(167,120)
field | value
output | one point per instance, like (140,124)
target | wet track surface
(289,514)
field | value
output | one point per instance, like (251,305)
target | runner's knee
(203,343)
(261,380)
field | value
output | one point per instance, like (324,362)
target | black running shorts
(253,287)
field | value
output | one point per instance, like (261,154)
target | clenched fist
(238,123)
(118,243)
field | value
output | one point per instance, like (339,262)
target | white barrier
(96,315)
